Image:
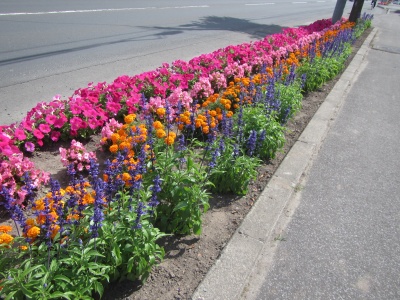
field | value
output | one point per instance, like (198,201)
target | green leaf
(181,206)
(116,253)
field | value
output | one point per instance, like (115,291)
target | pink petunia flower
(38,134)
(20,134)
(51,119)
(45,128)
(55,136)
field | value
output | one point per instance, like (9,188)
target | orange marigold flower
(126,177)
(160,133)
(105,177)
(160,111)
(138,177)
(206,129)
(54,230)
(198,123)
(169,140)
(88,199)
(124,146)
(115,138)
(129,118)
(69,189)
(113,148)
(158,125)
(212,113)
(33,232)
(5,238)
(5,228)
(39,205)
(72,216)
(30,222)
(23,248)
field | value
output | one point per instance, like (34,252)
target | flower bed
(174,135)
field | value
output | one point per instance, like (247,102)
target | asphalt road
(53,47)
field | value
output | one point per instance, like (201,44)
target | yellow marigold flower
(113,148)
(5,228)
(5,238)
(33,232)
(129,118)
(158,125)
(160,133)
(23,248)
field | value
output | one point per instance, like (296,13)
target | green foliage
(290,97)
(259,119)
(81,266)
(183,197)
(233,174)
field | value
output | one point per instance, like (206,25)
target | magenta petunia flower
(4,140)
(20,134)
(76,123)
(55,136)
(50,119)
(45,128)
(38,134)
(60,121)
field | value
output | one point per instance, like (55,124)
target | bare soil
(188,258)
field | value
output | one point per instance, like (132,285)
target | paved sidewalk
(327,226)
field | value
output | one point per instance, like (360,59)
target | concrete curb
(229,275)
(389,8)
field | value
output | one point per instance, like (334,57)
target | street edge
(229,276)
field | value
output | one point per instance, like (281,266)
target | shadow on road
(255,30)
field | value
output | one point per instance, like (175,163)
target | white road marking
(268,3)
(98,10)
(299,2)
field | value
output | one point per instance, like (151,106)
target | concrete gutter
(228,278)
